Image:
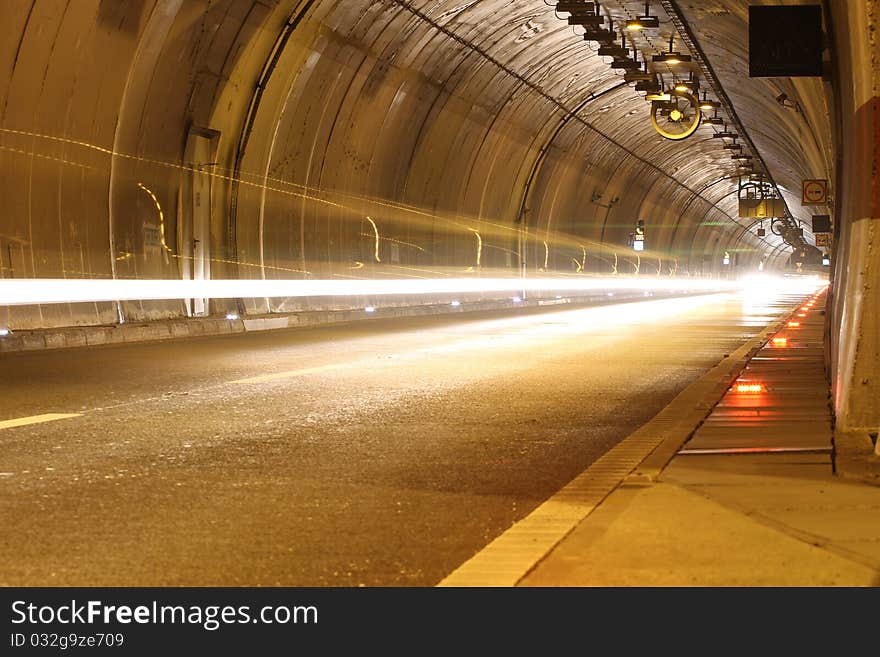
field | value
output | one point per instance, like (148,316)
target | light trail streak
(36,419)
(479,246)
(47,291)
(335,199)
(376,231)
(161,217)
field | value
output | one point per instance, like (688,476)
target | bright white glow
(22,291)
(767,284)
(232,316)
(455,304)
(535,333)
(369,309)
(639,245)
(4,332)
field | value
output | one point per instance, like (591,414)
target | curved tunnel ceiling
(794,138)
(364,138)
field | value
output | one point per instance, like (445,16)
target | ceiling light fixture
(586,19)
(604,36)
(689,86)
(715,119)
(650,86)
(672,58)
(627,63)
(613,50)
(707,105)
(660,96)
(643,22)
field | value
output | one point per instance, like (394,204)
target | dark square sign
(785,41)
(821,223)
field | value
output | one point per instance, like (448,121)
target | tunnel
(419,158)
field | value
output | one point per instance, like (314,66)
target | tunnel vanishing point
(420,141)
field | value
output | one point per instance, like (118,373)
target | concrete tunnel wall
(299,120)
(855,321)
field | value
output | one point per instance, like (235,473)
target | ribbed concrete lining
(427,117)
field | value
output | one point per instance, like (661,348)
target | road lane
(386,452)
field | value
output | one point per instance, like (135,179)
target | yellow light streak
(334,199)
(376,231)
(396,241)
(36,419)
(289,188)
(479,245)
(242,263)
(161,217)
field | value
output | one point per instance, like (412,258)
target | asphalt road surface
(384,452)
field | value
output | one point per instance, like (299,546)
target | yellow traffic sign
(814,192)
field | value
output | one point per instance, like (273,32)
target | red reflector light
(793,324)
(749,387)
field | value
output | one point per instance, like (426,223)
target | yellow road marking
(289,374)
(36,419)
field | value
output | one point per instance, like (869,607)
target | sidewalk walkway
(732,484)
(749,500)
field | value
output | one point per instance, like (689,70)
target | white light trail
(23,291)
(46,291)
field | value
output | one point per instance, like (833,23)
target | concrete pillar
(855,319)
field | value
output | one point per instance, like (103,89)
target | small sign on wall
(814,192)
(821,223)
